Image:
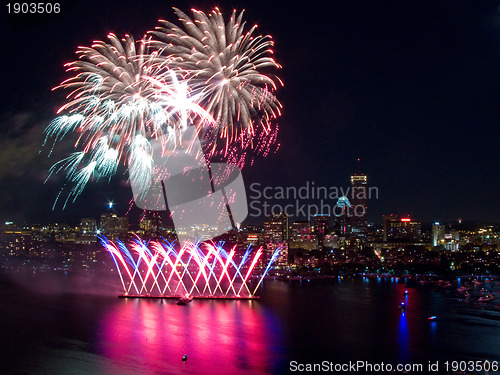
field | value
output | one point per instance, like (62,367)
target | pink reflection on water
(219,337)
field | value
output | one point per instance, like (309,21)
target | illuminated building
(88,225)
(441,237)
(88,230)
(113,226)
(301,236)
(276,235)
(341,224)
(276,228)
(16,240)
(201,232)
(438,232)
(404,229)
(7,226)
(321,226)
(301,230)
(150,226)
(387,220)
(282,260)
(252,238)
(146,226)
(359,198)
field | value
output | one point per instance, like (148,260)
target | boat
(185,300)
(433,317)
(487,298)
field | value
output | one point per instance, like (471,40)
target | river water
(74,324)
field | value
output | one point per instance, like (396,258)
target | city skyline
(416,106)
(310,200)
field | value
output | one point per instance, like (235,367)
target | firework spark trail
(243,261)
(222,264)
(136,267)
(186,269)
(211,273)
(173,265)
(214,266)
(130,260)
(150,270)
(141,248)
(61,126)
(113,256)
(113,250)
(224,271)
(105,157)
(273,258)
(158,273)
(202,261)
(142,257)
(185,266)
(230,260)
(159,247)
(161,250)
(250,269)
(69,164)
(177,97)
(178,260)
(152,263)
(202,271)
(206,263)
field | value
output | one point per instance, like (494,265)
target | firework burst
(118,102)
(124,94)
(223,63)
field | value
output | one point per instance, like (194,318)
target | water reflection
(217,336)
(336,321)
(403,339)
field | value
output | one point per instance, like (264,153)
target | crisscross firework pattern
(157,268)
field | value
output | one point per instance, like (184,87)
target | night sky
(411,88)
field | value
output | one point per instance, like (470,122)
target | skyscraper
(388,219)
(404,229)
(359,198)
(321,226)
(438,233)
(276,228)
(275,236)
